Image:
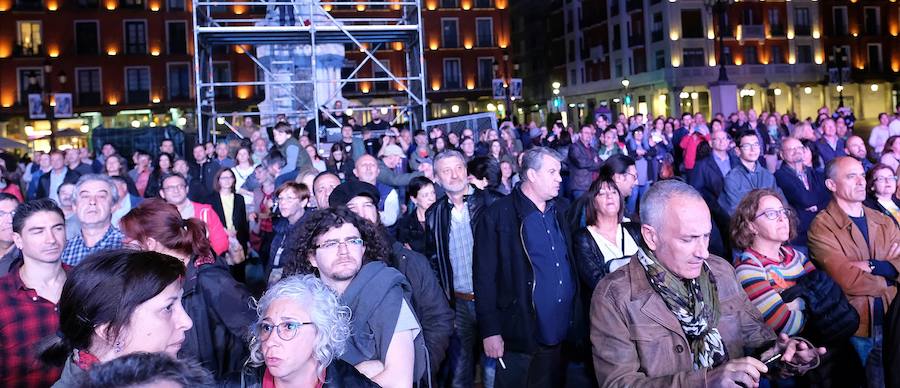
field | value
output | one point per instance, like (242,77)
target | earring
(117,347)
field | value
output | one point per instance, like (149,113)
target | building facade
(776,52)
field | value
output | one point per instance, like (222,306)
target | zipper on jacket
(527,256)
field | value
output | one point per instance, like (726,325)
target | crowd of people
(746,250)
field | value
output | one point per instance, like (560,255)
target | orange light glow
(895,66)
(360,7)
(111,5)
(676,61)
(363,47)
(470,84)
(468,44)
(5,48)
(466,5)
(326,7)
(436,85)
(5,5)
(502,42)
(364,87)
(113,101)
(433,45)
(154,6)
(239,49)
(738,61)
(52,5)
(111,51)
(398,46)
(7,99)
(431,5)
(155,99)
(395,7)
(52,51)
(244,92)
(154,52)
(52,100)
(893,29)
(239,9)
(501,4)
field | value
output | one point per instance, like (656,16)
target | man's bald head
(855,147)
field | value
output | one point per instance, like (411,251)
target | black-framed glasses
(774,214)
(286,330)
(331,245)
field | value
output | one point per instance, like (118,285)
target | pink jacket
(218,239)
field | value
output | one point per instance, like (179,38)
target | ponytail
(193,235)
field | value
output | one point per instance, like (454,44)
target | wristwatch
(871,265)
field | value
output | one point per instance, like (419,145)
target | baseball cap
(346,191)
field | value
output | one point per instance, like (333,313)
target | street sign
(36,106)
(498,90)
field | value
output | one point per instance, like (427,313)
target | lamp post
(719,9)
(838,61)
(625,83)
(47,90)
(506,76)
(556,102)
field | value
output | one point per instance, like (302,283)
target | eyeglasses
(881,179)
(286,198)
(332,245)
(634,176)
(754,146)
(10,214)
(286,330)
(169,189)
(774,214)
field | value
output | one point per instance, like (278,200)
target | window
(26,77)
(657,28)
(179,83)
(617,37)
(176,37)
(485,72)
(694,57)
(572,79)
(222,73)
(135,37)
(660,59)
(484,32)
(692,23)
(804,54)
(450,33)
(751,57)
(801,21)
(749,17)
(484,4)
(571,51)
(133,3)
(87,86)
(88,3)
(378,72)
(840,20)
(30,40)
(452,73)
(873,25)
(175,5)
(137,85)
(776,28)
(87,38)
(29,5)
(617,69)
(777,55)
(874,57)
(570,23)
(449,3)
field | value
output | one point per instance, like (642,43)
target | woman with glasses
(881,186)
(301,332)
(218,305)
(291,199)
(604,244)
(793,296)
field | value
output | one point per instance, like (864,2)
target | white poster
(515,88)
(497,86)
(36,107)
(63,108)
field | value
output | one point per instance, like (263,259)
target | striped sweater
(763,279)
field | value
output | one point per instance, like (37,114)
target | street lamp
(507,80)
(625,83)
(719,8)
(838,61)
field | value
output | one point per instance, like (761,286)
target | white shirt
(612,250)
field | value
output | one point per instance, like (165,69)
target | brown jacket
(638,342)
(835,242)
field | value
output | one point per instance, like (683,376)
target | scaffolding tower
(309,24)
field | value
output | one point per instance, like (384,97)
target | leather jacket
(437,233)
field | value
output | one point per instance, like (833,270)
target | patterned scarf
(695,303)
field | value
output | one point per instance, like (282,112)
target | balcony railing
(752,31)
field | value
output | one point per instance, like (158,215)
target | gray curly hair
(330,318)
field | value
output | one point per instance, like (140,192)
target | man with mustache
(526,288)
(675,315)
(94,198)
(29,294)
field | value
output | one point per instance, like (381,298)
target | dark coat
(410,231)
(238,216)
(589,258)
(43,190)
(709,181)
(827,153)
(500,262)
(338,374)
(220,309)
(584,162)
(872,203)
(892,346)
(433,311)
(801,199)
(437,234)
(205,174)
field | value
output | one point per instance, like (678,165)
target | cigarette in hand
(502,364)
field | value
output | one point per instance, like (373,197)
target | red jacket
(218,239)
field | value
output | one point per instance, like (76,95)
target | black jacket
(591,264)
(238,216)
(872,203)
(338,374)
(801,199)
(43,190)
(504,276)
(410,231)
(220,309)
(435,315)
(205,173)
(437,234)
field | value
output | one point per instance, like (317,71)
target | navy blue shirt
(554,287)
